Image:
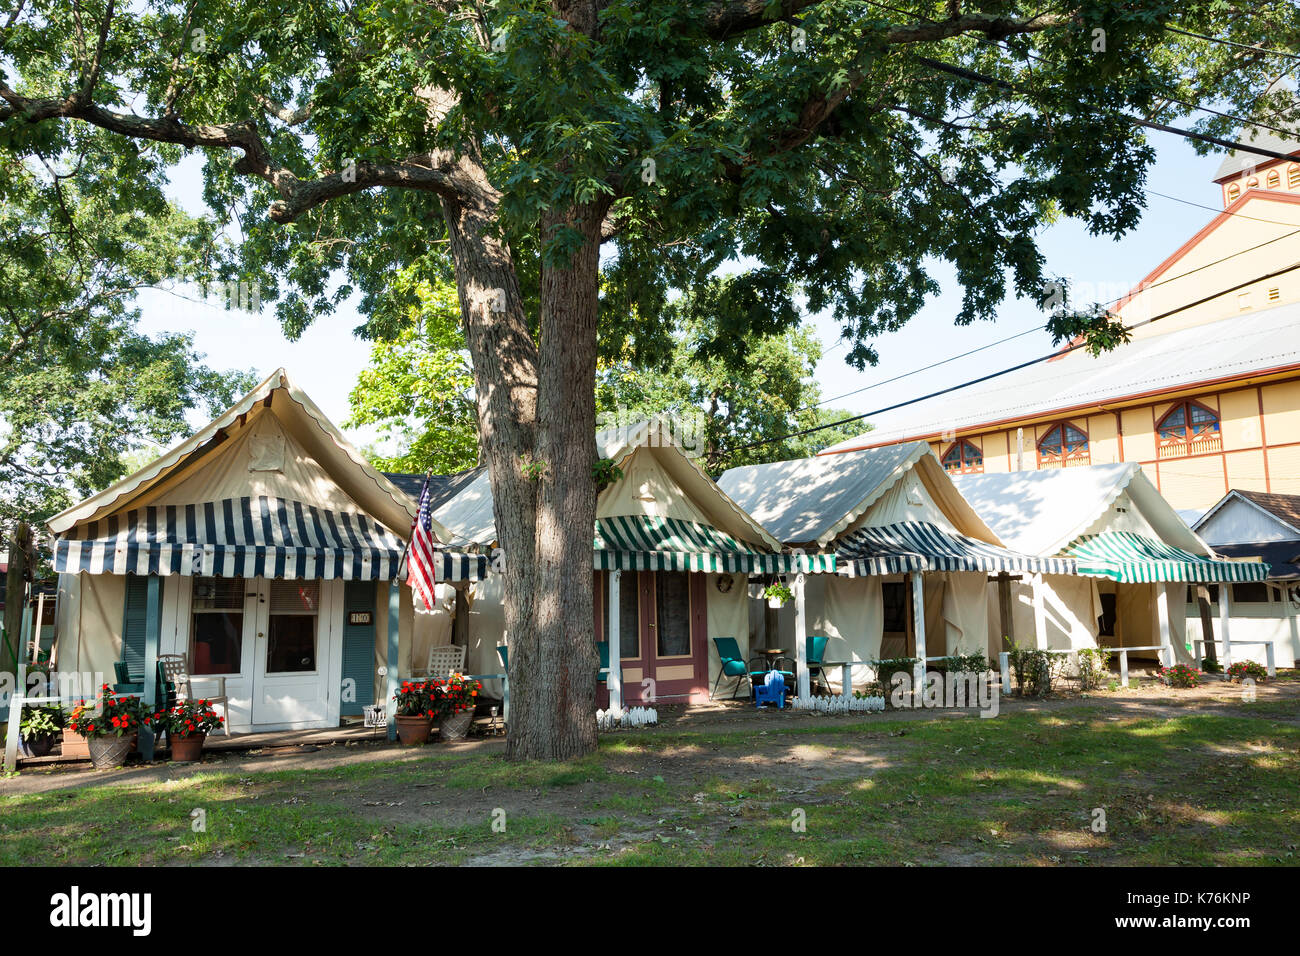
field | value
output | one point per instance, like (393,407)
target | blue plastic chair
(771,691)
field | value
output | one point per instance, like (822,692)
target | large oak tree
(575,160)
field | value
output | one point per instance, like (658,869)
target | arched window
(1273,180)
(1293,176)
(1063,445)
(1188,429)
(963,458)
(1234,190)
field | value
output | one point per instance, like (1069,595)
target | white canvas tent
(663,521)
(266,550)
(1135,556)
(913,557)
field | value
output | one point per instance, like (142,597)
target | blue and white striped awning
(1128,557)
(921,546)
(652,543)
(245,537)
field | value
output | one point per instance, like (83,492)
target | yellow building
(1206,396)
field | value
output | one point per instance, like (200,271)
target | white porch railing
(1269,657)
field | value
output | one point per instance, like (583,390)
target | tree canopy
(576,163)
(81,389)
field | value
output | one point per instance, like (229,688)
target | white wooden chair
(445,660)
(176,669)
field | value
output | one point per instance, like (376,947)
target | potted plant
(40,729)
(777,594)
(111,727)
(414,713)
(187,726)
(454,700)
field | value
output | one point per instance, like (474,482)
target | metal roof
(1241,344)
(1237,161)
(1282,557)
(803,500)
(442,488)
(1036,511)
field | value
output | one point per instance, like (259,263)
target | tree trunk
(558,662)
(536,424)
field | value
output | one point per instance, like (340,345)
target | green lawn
(1019,789)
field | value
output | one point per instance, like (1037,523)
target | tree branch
(438,171)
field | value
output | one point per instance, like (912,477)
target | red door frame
(694,688)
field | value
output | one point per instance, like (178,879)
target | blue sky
(327,359)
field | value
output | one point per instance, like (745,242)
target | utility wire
(998,374)
(1234,43)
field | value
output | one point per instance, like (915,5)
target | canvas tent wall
(664,516)
(892,516)
(1134,553)
(269,496)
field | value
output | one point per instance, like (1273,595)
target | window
(1253,592)
(963,458)
(672,614)
(894,597)
(291,627)
(1273,181)
(1188,428)
(1063,445)
(217,632)
(1293,176)
(1233,192)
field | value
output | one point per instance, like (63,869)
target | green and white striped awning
(1131,558)
(650,543)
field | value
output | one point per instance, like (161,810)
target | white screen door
(288,666)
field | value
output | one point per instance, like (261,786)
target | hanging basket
(776,602)
(456,727)
(109,753)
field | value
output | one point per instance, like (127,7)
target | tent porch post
(801,639)
(614,680)
(394,625)
(1162,616)
(1225,612)
(918,627)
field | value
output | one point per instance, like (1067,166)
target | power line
(1242,46)
(918,371)
(998,374)
(1172,99)
(1138,289)
(977,77)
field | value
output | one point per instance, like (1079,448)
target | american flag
(420,561)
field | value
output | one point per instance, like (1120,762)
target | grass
(1026,788)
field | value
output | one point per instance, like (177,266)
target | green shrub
(975,663)
(1093,663)
(1035,670)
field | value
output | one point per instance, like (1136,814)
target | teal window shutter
(133,624)
(358,647)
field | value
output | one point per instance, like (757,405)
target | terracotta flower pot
(108,752)
(413,730)
(456,727)
(187,749)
